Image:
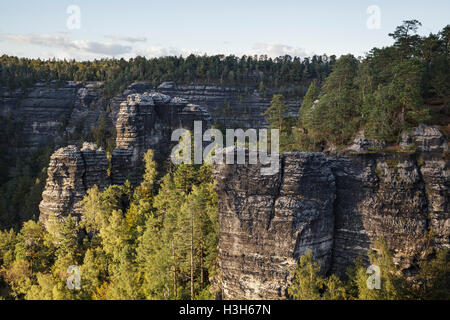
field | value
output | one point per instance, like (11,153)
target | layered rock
(71,172)
(425,139)
(336,206)
(231,107)
(50,112)
(63,112)
(146,121)
(266,222)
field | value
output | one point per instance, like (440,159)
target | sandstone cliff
(337,206)
(61,112)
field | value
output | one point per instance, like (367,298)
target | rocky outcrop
(146,121)
(231,107)
(361,143)
(267,221)
(62,113)
(337,206)
(71,172)
(425,139)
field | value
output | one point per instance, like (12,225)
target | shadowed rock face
(335,206)
(50,112)
(59,112)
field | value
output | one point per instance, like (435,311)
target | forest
(159,240)
(246,71)
(390,91)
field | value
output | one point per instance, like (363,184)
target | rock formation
(49,112)
(267,221)
(71,172)
(231,107)
(337,206)
(144,122)
(62,112)
(425,139)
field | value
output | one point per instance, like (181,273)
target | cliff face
(337,206)
(60,112)
(146,122)
(47,113)
(229,106)
(267,221)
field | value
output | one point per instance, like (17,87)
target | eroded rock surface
(71,172)
(336,206)
(146,121)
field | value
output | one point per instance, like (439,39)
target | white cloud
(277,49)
(63,47)
(161,51)
(126,38)
(62,41)
(110,49)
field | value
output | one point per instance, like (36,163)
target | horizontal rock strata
(338,207)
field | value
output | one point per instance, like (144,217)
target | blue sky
(154,28)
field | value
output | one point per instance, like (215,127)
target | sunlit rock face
(145,121)
(336,206)
(71,172)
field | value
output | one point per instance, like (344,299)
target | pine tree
(276,112)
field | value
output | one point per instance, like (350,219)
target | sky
(89,29)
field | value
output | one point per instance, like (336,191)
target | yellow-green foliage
(131,243)
(431,282)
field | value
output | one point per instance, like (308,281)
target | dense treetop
(389,91)
(219,69)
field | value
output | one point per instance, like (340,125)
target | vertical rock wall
(335,206)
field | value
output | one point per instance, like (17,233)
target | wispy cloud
(126,38)
(278,49)
(161,51)
(62,41)
(62,46)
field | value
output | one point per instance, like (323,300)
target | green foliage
(149,242)
(246,71)
(383,94)
(21,194)
(335,117)
(309,284)
(431,282)
(276,112)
